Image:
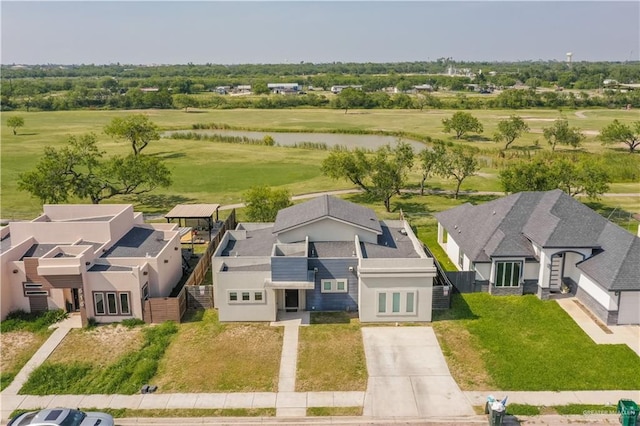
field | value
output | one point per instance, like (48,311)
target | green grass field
(215,172)
(523,343)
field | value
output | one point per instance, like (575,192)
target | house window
(461,259)
(112,303)
(445,236)
(335,286)
(145,291)
(246,296)
(395,306)
(98,301)
(508,274)
(397,303)
(382,303)
(125,309)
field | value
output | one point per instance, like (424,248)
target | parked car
(62,417)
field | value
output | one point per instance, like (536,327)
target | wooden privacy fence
(199,272)
(159,309)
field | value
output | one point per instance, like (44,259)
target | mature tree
(561,133)
(137,129)
(184,101)
(15,122)
(618,132)
(260,88)
(351,165)
(527,176)
(583,176)
(509,130)
(78,170)
(458,163)
(572,175)
(381,175)
(462,122)
(390,167)
(263,203)
(70,170)
(429,160)
(349,98)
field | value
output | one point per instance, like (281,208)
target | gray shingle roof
(326,206)
(259,242)
(551,219)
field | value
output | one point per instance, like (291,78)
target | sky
(239,32)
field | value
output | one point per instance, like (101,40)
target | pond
(331,139)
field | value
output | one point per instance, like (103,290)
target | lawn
(331,354)
(523,343)
(209,356)
(216,172)
(22,335)
(106,360)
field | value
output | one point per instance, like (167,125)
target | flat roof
(332,249)
(111,268)
(38,250)
(192,211)
(138,242)
(5,243)
(259,267)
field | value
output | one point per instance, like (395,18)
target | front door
(75,296)
(291,300)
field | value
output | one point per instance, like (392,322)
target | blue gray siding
(289,269)
(333,269)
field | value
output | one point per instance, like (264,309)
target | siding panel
(333,269)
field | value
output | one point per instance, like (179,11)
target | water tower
(569,55)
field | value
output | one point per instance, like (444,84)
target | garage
(629,307)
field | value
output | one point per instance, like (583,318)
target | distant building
(337,89)
(283,88)
(149,89)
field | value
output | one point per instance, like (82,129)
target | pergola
(194,211)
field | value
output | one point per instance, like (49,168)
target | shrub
(132,322)
(31,321)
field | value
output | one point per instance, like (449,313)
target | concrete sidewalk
(620,334)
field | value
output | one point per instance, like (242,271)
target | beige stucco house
(100,260)
(326,254)
(543,243)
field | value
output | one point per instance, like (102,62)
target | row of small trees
(559,133)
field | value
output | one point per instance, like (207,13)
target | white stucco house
(326,254)
(543,243)
(99,260)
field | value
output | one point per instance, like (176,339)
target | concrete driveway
(408,375)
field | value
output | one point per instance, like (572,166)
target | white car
(62,417)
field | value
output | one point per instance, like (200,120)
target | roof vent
(403,231)
(494,212)
(455,226)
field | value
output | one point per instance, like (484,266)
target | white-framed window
(461,259)
(112,303)
(340,285)
(508,273)
(399,302)
(246,296)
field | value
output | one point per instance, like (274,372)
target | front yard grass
(523,343)
(75,371)
(209,356)
(331,354)
(333,411)
(22,335)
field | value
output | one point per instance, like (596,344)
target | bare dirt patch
(99,346)
(14,345)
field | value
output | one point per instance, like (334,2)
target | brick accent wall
(608,317)
(505,291)
(530,287)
